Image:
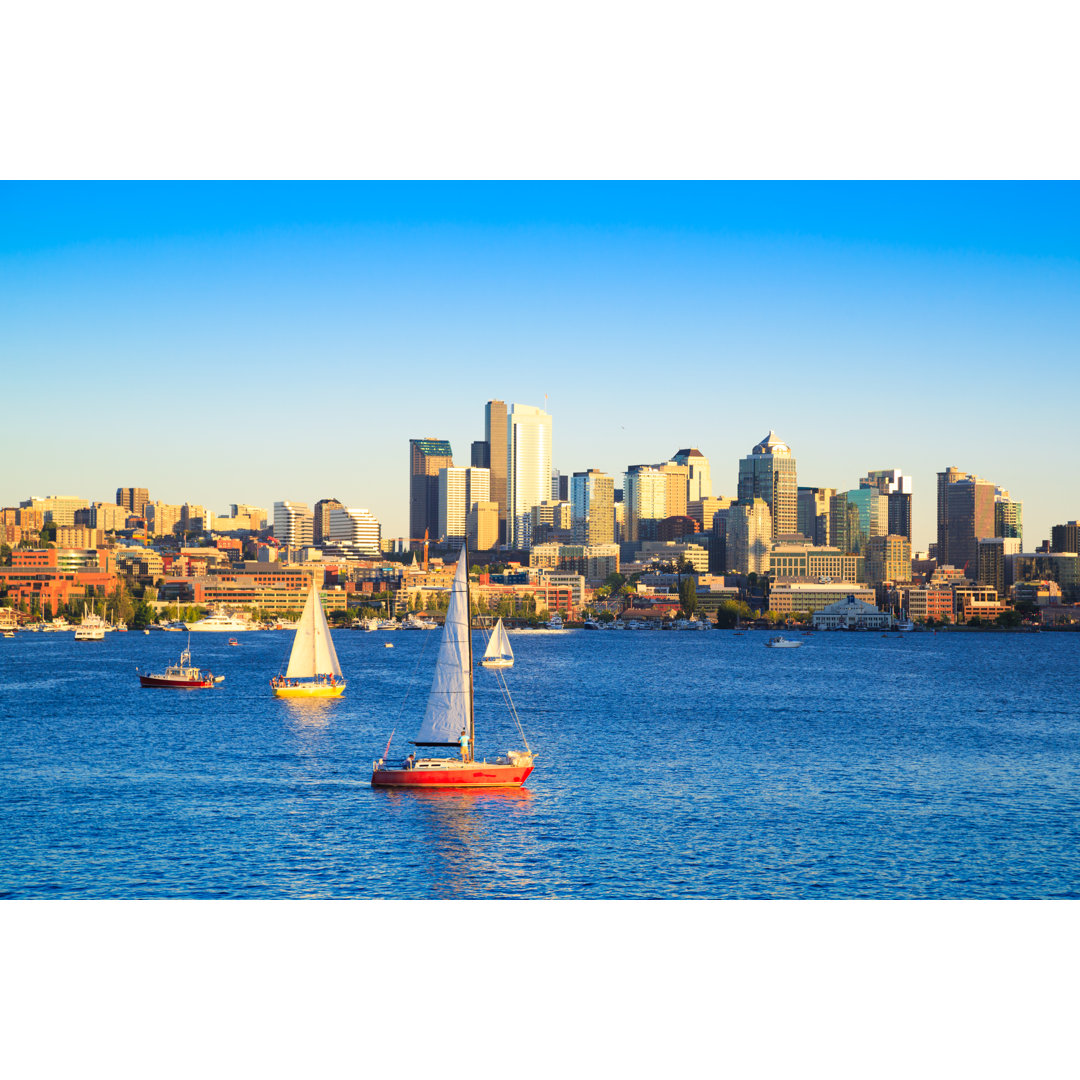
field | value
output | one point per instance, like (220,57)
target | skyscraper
(970,518)
(768,472)
(855,517)
(528,468)
(459,492)
(749,535)
(812,518)
(699,484)
(893,483)
(1008,516)
(944,479)
(592,507)
(676,485)
(133,500)
(293,524)
(644,500)
(496,436)
(426,458)
(321,524)
(354,529)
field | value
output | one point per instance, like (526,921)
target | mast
(468,607)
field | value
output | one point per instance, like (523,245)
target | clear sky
(248,342)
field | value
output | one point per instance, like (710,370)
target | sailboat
(313,671)
(449,719)
(498,653)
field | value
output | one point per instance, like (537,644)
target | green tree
(615,581)
(1009,619)
(5,555)
(688,595)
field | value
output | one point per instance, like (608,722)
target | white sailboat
(313,669)
(498,653)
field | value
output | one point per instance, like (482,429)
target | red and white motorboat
(449,720)
(181,676)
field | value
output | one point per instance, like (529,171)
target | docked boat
(555,622)
(417,622)
(92,627)
(591,624)
(782,643)
(181,676)
(220,622)
(313,671)
(449,720)
(498,653)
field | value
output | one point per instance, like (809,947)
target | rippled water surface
(670,765)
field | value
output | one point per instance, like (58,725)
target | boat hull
(473,775)
(497,663)
(309,691)
(175,684)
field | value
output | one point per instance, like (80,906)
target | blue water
(670,765)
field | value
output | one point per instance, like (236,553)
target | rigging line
(501,678)
(412,677)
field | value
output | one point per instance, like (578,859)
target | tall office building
(459,492)
(644,501)
(592,507)
(496,435)
(768,472)
(969,519)
(677,483)
(427,458)
(162,518)
(1008,516)
(699,481)
(560,486)
(749,533)
(293,524)
(897,486)
(320,531)
(1064,538)
(354,529)
(812,514)
(856,517)
(950,476)
(528,468)
(133,500)
(994,564)
(59,509)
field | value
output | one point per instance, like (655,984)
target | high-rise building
(994,564)
(353,529)
(59,509)
(320,532)
(969,519)
(703,511)
(950,476)
(857,516)
(699,482)
(812,514)
(592,507)
(482,525)
(162,518)
(1008,516)
(677,483)
(888,559)
(497,437)
(528,468)
(459,491)
(749,536)
(194,519)
(133,500)
(644,500)
(481,454)
(427,458)
(768,472)
(293,525)
(256,515)
(897,486)
(1065,537)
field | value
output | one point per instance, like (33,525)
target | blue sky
(250,342)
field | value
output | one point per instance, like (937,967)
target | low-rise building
(852,613)
(790,596)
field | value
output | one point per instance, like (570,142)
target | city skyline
(179,325)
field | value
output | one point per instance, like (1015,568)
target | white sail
(498,648)
(313,650)
(448,707)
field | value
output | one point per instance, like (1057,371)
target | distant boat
(905,625)
(591,624)
(555,622)
(220,622)
(498,653)
(92,627)
(449,720)
(782,643)
(181,676)
(233,641)
(313,671)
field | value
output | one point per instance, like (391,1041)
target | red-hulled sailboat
(449,719)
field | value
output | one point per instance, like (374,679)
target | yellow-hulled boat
(313,671)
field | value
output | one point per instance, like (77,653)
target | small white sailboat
(498,653)
(313,671)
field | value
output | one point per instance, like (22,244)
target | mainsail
(498,648)
(449,706)
(313,650)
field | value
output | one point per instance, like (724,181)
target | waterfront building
(459,491)
(925,602)
(897,488)
(1042,592)
(812,514)
(852,613)
(592,507)
(699,480)
(528,469)
(749,536)
(888,559)
(1064,538)
(133,500)
(810,562)
(354,530)
(645,500)
(1062,567)
(768,472)
(787,597)
(994,567)
(293,525)
(427,458)
(320,526)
